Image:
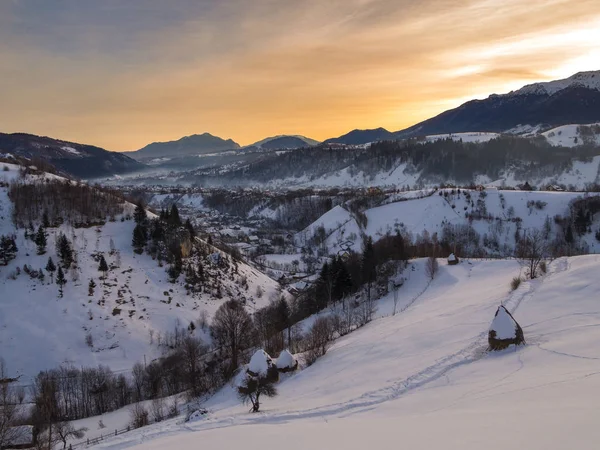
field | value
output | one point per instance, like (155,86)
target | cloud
(121,74)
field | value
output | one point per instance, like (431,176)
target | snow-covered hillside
(431,213)
(125,317)
(574,135)
(424,378)
(590,80)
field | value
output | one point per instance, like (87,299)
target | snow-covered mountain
(572,100)
(79,160)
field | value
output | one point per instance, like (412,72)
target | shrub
(515,283)
(139,416)
(318,339)
(543,267)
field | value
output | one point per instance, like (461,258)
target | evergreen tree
(61,281)
(41,275)
(103,267)
(569,238)
(139,239)
(45,220)
(40,241)
(50,267)
(8,249)
(64,251)
(368,265)
(342,283)
(91,286)
(190,228)
(174,219)
(139,215)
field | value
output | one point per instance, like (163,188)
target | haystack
(504,331)
(452,259)
(286,362)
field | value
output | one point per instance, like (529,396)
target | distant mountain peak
(575,99)
(589,80)
(285,141)
(195,144)
(361,137)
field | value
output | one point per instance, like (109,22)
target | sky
(121,74)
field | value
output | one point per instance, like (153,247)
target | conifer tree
(174,218)
(91,286)
(51,267)
(64,251)
(40,241)
(139,239)
(8,249)
(139,215)
(103,267)
(61,281)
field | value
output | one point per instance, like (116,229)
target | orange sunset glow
(121,74)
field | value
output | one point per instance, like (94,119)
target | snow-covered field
(423,378)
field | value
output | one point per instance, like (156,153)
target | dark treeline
(439,160)
(56,202)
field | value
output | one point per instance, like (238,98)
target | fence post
(115,432)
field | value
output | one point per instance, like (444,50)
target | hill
(541,105)
(284,142)
(132,311)
(78,160)
(196,144)
(362,137)
(435,384)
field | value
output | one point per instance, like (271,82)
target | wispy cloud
(121,74)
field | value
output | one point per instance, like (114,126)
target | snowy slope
(590,80)
(39,331)
(423,377)
(571,136)
(430,213)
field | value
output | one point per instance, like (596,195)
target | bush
(515,283)
(318,339)
(543,267)
(139,416)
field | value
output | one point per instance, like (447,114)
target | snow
(503,325)
(71,150)
(39,331)
(465,137)
(569,135)
(259,363)
(590,80)
(431,212)
(285,360)
(423,377)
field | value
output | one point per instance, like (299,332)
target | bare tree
(232,328)
(531,251)
(9,410)
(431,267)
(65,431)
(318,339)
(396,288)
